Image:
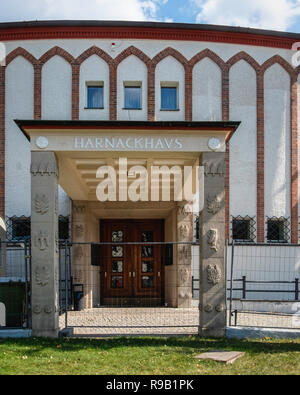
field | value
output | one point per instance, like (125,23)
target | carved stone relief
(79,209)
(42,275)
(184,276)
(214,274)
(214,169)
(41,204)
(208,308)
(220,308)
(184,230)
(44,169)
(212,239)
(213,204)
(79,230)
(41,240)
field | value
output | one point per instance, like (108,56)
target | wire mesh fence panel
(263,285)
(132,288)
(14,285)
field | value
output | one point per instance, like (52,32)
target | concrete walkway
(161,321)
(128,321)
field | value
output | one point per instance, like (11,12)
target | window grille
(19,228)
(278,230)
(243,229)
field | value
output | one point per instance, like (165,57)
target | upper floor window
(95,95)
(132,96)
(277,230)
(169,97)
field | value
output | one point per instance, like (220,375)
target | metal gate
(15,283)
(101,294)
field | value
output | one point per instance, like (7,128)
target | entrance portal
(132,274)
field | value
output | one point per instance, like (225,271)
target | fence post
(66,285)
(26,260)
(244,287)
(297,289)
(231,282)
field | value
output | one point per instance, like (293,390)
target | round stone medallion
(42,142)
(214,144)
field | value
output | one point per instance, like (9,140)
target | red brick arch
(94,51)
(130,51)
(188,66)
(246,57)
(151,81)
(56,51)
(21,52)
(207,53)
(277,59)
(169,52)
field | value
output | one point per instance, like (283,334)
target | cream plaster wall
(19,105)
(57,89)
(207,91)
(243,155)
(277,142)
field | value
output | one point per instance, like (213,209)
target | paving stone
(221,356)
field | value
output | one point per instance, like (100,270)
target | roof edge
(233,125)
(158,25)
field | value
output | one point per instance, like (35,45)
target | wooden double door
(132,274)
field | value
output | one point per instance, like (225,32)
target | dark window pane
(117,266)
(117,252)
(241,229)
(147,237)
(147,282)
(117,236)
(132,97)
(276,231)
(63,226)
(147,266)
(117,282)
(168,98)
(20,228)
(147,252)
(95,97)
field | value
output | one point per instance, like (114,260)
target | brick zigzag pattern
(188,65)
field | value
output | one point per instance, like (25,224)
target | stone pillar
(44,245)
(81,267)
(212,248)
(184,256)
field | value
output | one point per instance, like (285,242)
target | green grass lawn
(153,356)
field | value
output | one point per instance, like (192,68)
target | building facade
(80,83)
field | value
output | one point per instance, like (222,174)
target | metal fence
(263,285)
(106,295)
(15,284)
